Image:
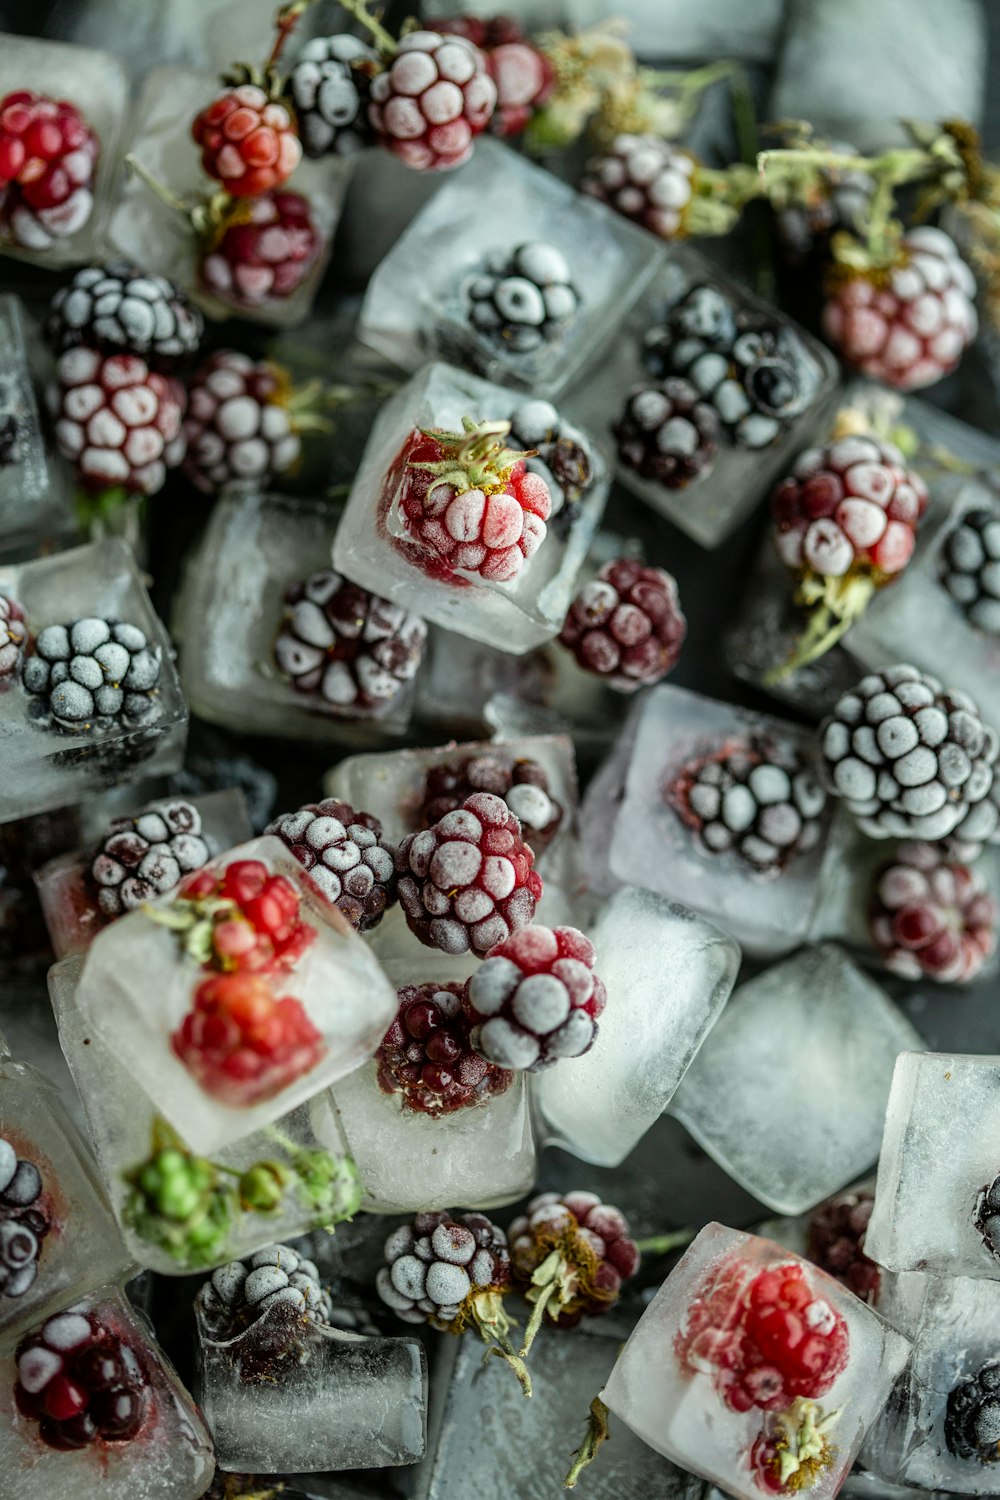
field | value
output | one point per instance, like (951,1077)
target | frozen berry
(647,179)
(593,1239)
(970,568)
(142,857)
(972,1416)
(835,1241)
(432,101)
(521,782)
(119,308)
(557,451)
(932,917)
(329,86)
(626,625)
(264,251)
(118,422)
(48,157)
(13,635)
(523,298)
(82,1382)
(248,141)
(426,1056)
(239,425)
(536,999)
(438,1264)
(91,674)
(523,74)
(346,855)
(667,433)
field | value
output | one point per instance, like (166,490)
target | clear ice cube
(676,1404)
(520,614)
(788,1091)
(668,974)
(417,305)
(24,470)
(338,982)
(44,768)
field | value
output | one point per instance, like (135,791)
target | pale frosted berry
(142,857)
(646,179)
(241,1291)
(329,86)
(521,782)
(120,307)
(25,1220)
(48,157)
(437,1263)
(523,298)
(432,101)
(346,855)
(537,999)
(970,568)
(13,635)
(667,433)
(239,427)
(248,141)
(523,74)
(932,917)
(265,253)
(426,1056)
(117,421)
(559,452)
(626,625)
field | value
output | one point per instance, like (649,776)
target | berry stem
(662,1244)
(492,1323)
(285,23)
(834,605)
(537,1313)
(159,189)
(358,10)
(596,1434)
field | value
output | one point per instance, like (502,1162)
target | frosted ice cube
(230,611)
(46,1170)
(521,614)
(788,1092)
(161,239)
(711,506)
(301,1397)
(338,982)
(767,912)
(668,974)
(418,306)
(24,473)
(675,1401)
(170,1457)
(44,768)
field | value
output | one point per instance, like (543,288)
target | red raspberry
(263,932)
(435,97)
(469,503)
(248,142)
(48,156)
(118,421)
(468,882)
(537,999)
(792,1453)
(851,505)
(241,1043)
(932,917)
(81,1382)
(239,427)
(13,634)
(910,326)
(426,1055)
(593,1238)
(524,76)
(265,252)
(626,625)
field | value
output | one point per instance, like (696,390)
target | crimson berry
(264,251)
(435,97)
(626,625)
(249,142)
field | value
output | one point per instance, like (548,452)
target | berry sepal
(793,1452)
(833,605)
(473,459)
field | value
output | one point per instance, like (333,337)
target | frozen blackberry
(757,800)
(24,1222)
(92,674)
(979,827)
(972,1417)
(13,634)
(439,1264)
(594,1244)
(350,649)
(11,446)
(910,758)
(427,1058)
(81,1381)
(986,1216)
(238,1293)
(145,856)
(521,782)
(329,86)
(119,308)
(970,568)
(835,1240)
(560,453)
(667,433)
(346,856)
(523,298)
(626,625)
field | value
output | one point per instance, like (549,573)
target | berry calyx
(626,625)
(248,141)
(426,1056)
(793,1452)
(536,999)
(932,916)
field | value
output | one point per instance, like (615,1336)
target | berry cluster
(647,179)
(668,433)
(239,428)
(427,1057)
(265,251)
(593,1241)
(346,855)
(118,308)
(145,856)
(835,1241)
(48,157)
(626,625)
(243,920)
(13,636)
(536,999)
(932,917)
(24,1221)
(436,1265)
(119,422)
(93,674)
(524,298)
(521,782)
(82,1382)
(970,569)
(432,100)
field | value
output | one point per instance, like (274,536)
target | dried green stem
(358,10)
(596,1434)
(662,1244)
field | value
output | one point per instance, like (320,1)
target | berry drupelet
(970,569)
(329,86)
(626,625)
(239,426)
(426,1057)
(521,782)
(13,637)
(119,308)
(932,917)
(93,674)
(668,433)
(264,251)
(437,1268)
(524,298)
(145,856)
(346,856)
(48,157)
(647,179)
(536,999)
(238,1293)
(25,1220)
(119,422)
(243,920)
(432,101)
(81,1382)
(835,1241)
(560,453)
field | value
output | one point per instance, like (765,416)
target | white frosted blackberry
(970,568)
(93,673)
(119,307)
(910,759)
(238,1292)
(561,454)
(523,298)
(439,1263)
(329,85)
(145,856)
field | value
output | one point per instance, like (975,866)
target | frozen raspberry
(81,1382)
(436,1265)
(835,1241)
(593,1239)
(48,157)
(248,141)
(329,86)
(522,783)
(432,101)
(524,76)
(25,1220)
(559,452)
(626,625)
(244,919)
(667,433)
(93,674)
(118,307)
(468,882)
(145,856)
(346,856)
(909,326)
(117,421)
(911,759)
(265,253)
(13,635)
(970,568)
(972,1417)
(524,298)
(349,648)
(767,1338)
(647,179)
(426,1056)
(469,503)
(238,1293)
(238,426)
(537,999)
(931,917)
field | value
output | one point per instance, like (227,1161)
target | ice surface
(674,30)
(788,1092)
(713,505)
(24,476)
(82,1248)
(416,306)
(161,239)
(348,1402)
(43,769)
(520,614)
(230,612)
(170,1458)
(338,981)
(766,914)
(679,1412)
(668,974)
(68,899)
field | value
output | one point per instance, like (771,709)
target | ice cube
(788,1092)
(195,32)
(367,548)
(419,302)
(668,974)
(24,471)
(340,986)
(679,1382)
(168,1458)
(671,29)
(44,766)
